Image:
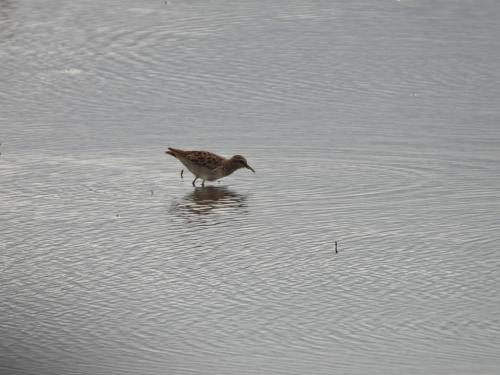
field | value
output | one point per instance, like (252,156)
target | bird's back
(200,163)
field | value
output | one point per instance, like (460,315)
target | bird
(207,165)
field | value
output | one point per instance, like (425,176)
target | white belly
(204,173)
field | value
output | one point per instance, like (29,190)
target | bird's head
(240,162)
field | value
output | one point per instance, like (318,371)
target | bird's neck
(230,167)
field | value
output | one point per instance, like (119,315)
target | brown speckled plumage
(208,166)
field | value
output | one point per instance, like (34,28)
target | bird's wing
(204,159)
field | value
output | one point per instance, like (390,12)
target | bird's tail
(174,152)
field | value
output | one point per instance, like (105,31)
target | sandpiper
(208,166)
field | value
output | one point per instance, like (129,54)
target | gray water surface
(372,123)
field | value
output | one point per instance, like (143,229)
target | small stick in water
(182,172)
(336,252)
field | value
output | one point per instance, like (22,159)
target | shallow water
(370,123)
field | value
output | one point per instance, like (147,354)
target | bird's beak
(249,167)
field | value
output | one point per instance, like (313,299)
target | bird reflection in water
(205,200)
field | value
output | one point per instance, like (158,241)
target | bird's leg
(203,183)
(182,172)
(194,181)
